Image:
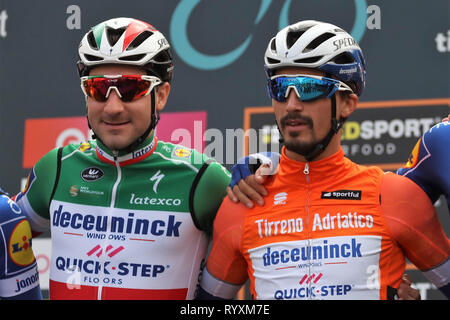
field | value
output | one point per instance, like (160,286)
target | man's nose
(293,103)
(113,103)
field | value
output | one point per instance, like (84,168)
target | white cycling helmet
(126,41)
(318,45)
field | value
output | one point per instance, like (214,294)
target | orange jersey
(329,229)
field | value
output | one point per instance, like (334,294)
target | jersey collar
(144,150)
(327,167)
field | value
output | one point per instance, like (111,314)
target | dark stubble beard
(301,148)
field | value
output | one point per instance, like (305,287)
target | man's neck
(333,147)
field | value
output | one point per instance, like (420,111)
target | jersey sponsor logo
(280,198)
(322,268)
(75,191)
(346,249)
(157,177)
(91,271)
(342,194)
(20,250)
(154,201)
(143,151)
(268,228)
(180,152)
(84,146)
(110,251)
(92,174)
(169,227)
(313,292)
(341,221)
(25,284)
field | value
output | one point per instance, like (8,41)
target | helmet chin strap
(132,146)
(336,125)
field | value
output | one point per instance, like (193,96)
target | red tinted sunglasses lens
(130,88)
(96,89)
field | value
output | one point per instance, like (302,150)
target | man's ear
(162,94)
(349,102)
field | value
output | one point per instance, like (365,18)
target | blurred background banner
(219,80)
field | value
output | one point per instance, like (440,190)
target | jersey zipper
(308,235)
(110,214)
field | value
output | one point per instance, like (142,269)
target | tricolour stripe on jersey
(62,291)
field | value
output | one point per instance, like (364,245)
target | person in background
(19,277)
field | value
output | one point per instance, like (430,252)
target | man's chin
(114,143)
(301,148)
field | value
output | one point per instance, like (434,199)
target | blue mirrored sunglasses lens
(308,88)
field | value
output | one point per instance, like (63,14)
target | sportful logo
(199,60)
(342,194)
(280,198)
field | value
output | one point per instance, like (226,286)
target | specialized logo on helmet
(346,42)
(19,247)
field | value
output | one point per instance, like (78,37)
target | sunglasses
(128,87)
(307,87)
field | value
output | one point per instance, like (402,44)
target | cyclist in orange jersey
(329,228)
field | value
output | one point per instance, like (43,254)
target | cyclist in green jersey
(128,214)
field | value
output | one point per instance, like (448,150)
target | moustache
(296,117)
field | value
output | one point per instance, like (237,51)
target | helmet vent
(318,41)
(343,58)
(91,40)
(292,37)
(135,57)
(113,35)
(162,57)
(90,57)
(272,61)
(139,39)
(273,45)
(308,60)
